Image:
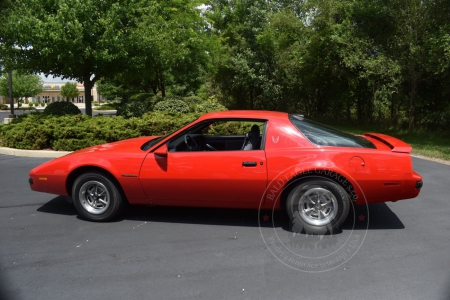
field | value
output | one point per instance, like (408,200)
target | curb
(33,153)
(438,160)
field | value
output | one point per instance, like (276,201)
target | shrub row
(72,132)
(62,108)
(139,104)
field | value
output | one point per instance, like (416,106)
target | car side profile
(238,159)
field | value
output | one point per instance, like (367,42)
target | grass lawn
(430,144)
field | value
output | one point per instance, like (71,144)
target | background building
(52,93)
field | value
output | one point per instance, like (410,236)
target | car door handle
(249,163)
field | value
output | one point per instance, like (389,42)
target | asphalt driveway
(47,252)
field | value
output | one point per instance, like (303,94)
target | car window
(226,128)
(147,145)
(221,135)
(324,135)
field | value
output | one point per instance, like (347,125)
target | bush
(172,97)
(3,107)
(72,132)
(134,109)
(62,108)
(141,97)
(209,106)
(192,100)
(173,106)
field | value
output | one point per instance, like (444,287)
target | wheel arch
(84,169)
(331,175)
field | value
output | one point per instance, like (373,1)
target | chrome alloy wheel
(94,197)
(318,206)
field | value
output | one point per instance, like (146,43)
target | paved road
(47,252)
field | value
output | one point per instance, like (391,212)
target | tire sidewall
(116,199)
(299,225)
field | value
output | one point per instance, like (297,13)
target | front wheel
(317,206)
(96,197)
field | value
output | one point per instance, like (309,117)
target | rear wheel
(317,206)
(96,197)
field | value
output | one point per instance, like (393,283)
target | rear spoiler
(396,145)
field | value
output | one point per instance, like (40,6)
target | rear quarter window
(323,135)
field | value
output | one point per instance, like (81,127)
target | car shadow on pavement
(380,216)
(207,216)
(374,216)
(58,205)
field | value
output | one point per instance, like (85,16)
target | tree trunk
(412,103)
(87,94)
(393,114)
(251,98)
(359,110)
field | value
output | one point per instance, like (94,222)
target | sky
(50,78)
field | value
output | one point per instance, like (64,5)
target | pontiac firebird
(238,159)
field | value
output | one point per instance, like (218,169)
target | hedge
(62,108)
(209,106)
(72,132)
(173,106)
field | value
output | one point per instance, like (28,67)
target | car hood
(129,145)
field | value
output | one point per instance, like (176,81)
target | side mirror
(161,151)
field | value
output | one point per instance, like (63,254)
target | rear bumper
(419,185)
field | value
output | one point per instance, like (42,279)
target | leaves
(23,85)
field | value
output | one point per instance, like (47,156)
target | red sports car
(238,159)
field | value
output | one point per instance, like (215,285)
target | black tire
(325,216)
(96,197)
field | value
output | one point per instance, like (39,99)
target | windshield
(152,142)
(323,135)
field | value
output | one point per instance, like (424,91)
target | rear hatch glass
(323,135)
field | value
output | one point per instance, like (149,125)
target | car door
(226,176)
(211,179)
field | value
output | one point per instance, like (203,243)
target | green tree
(244,71)
(69,90)
(172,50)
(92,39)
(23,85)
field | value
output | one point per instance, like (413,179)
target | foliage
(3,107)
(23,85)
(231,128)
(141,97)
(114,90)
(62,108)
(369,62)
(144,43)
(133,109)
(73,132)
(173,106)
(209,106)
(192,100)
(69,90)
